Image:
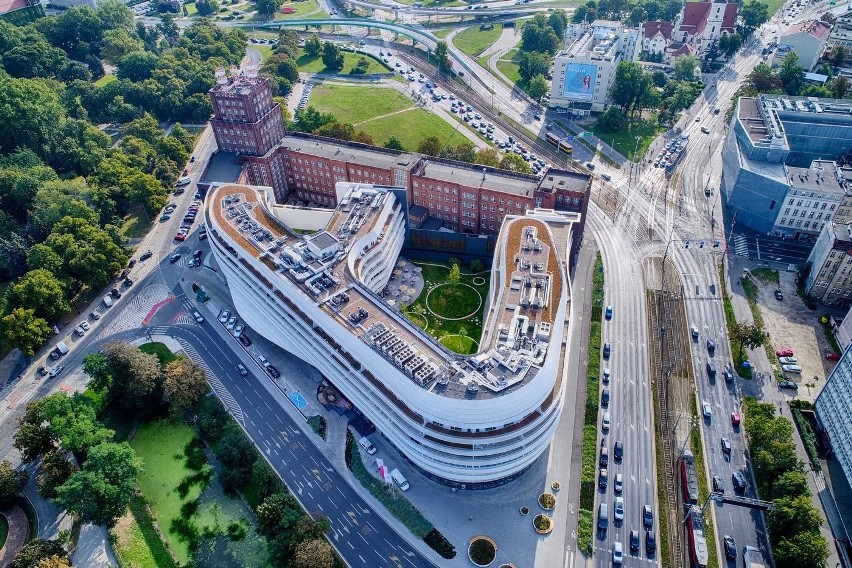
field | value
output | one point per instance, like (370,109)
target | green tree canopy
(332,57)
(12,482)
(685,67)
(90,255)
(537,87)
(37,550)
(184,385)
(442,56)
(40,291)
(515,163)
(24,330)
(431,146)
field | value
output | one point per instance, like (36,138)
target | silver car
(232,322)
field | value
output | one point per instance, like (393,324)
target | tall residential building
(583,72)
(832,408)
(245,118)
(830,278)
(470,421)
(780,164)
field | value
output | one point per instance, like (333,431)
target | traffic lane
(358,534)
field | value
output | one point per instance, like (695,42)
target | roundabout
(452,302)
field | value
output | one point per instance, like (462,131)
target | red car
(832,356)
(180,237)
(735,418)
(784,352)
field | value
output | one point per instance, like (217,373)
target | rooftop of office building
(822,176)
(348,152)
(598,40)
(326,269)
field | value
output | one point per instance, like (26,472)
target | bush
(318,425)
(808,438)
(350,446)
(547,501)
(440,544)
(482,552)
(585,529)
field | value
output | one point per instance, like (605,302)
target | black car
(197,254)
(730,547)
(634,541)
(606,350)
(128,282)
(711,346)
(711,370)
(146,255)
(650,542)
(132,263)
(605,397)
(273,371)
(739,481)
(175,257)
(619,450)
(115,293)
(779,295)
(647,516)
(244,339)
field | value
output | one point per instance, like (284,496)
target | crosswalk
(212,379)
(138,310)
(739,243)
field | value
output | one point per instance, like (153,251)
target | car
(55,371)
(832,356)
(79,331)
(128,282)
(197,254)
(619,483)
(735,418)
(647,516)
(590,165)
(223,317)
(705,130)
(779,295)
(607,349)
(718,484)
(232,322)
(477,116)
(175,257)
(605,397)
(238,330)
(608,313)
(788,385)
(795,369)
(711,346)
(619,509)
(739,481)
(617,553)
(605,423)
(650,542)
(730,547)
(273,371)
(698,118)
(634,541)
(729,376)
(726,445)
(717,110)
(606,374)
(784,352)
(245,340)
(115,293)
(788,360)
(84,325)
(618,452)
(242,370)
(705,410)
(537,116)
(146,255)
(711,370)
(180,237)
(95,316)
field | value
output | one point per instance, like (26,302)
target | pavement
(93,548)
(19,530)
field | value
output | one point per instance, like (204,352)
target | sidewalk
(754,387)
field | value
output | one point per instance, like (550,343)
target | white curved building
(466,420)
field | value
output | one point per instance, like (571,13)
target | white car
(606,422)
(619,509)
(619,483)
(705,410)
(223,317)
(55,371)
(84,325)
(617,553)
(232,322)
(788,360)
(238,330)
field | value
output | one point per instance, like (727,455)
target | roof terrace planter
(547,501)
(482,550)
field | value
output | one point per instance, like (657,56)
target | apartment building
(841,36)
(832,409)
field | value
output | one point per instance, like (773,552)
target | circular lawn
(453,301)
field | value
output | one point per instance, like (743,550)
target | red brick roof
(11,5)
(729,20)
(684,49)
(695,17)
(816,28)
(654,27)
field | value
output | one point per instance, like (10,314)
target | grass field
(411,127)
(350,60)
(4,530)
(106,80)
(508,65)
(355,104)
(474,41)
(624,141)
(136,224)
(301,9)
(163,353)
(136,542)
(773,5)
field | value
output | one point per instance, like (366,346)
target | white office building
(465,420)
(584,70)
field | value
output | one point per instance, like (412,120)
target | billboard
(579,81)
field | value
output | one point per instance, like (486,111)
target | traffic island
(482,550)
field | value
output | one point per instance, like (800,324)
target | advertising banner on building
(579,82)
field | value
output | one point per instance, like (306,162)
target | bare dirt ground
(791,324)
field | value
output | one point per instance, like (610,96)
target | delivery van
(399,479)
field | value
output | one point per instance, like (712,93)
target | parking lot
(792,325)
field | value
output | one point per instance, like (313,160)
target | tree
(118,43)
(763,80)
(12,482)
(790,484)
(40,291)
(332,58)
(134,376)
(839,87)
(310,119)
(729,44)
(537,87)
(29,114)
(464,152)
(90,255)
(313,46)
(37,550)
(629,85)
(685,67)
(316,553)
(750,336)
(532,63)
(515,163)
(455,274)
(268,7)
(115,15)
(237,457)
(442,56)
(790,516)
(138,65)
(611,119)
(100,492)
(803,550)
(22,329)
(184,384)
(488,157)
(476,265)
(753,14)
(168,26)
(430,146)
(207,7)
(393,143)
(55,470)
(792,75)
(278,511)
(838,56)
(54,562)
